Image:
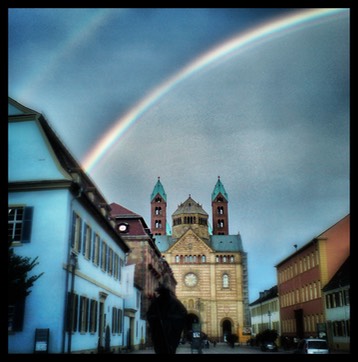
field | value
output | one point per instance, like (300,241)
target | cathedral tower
(158,201)
(219,203)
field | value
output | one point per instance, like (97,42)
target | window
(158,210)
(110,261)
(19,224)
(93,316)
(115,325)
(76,232)
(72,312)
(87,242)
(203,258)
(95,254)
(83,321)
(120,316)
(104,256)
(225,281)
(116,265)
(16,315)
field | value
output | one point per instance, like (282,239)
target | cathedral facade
(210,266)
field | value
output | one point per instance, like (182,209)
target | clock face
(190,279)
(122,227)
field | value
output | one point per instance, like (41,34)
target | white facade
(69,220)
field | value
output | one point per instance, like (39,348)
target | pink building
(302,276)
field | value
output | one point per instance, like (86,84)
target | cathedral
(209,265)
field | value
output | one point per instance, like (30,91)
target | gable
(31,157)
(189,243)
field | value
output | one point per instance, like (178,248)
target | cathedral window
(225,281)
(220,210)
(158,224)
(158,211)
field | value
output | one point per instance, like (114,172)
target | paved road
(221,348)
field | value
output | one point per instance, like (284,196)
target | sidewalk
(222,348)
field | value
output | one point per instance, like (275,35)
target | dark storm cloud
(272,121)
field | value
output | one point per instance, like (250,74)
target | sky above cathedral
(259,97)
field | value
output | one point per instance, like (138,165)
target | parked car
(269,346)
(312,346)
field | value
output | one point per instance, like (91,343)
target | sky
(257,96)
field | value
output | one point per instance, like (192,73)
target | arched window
(220,210)
(203,258)
(177,258)
(225,280)
(158,210)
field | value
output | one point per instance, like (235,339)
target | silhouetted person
(166,317)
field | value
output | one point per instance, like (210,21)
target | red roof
(136,223)
(119,210)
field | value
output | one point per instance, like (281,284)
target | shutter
(75,313)
(73,232)
(80,234)
(27,224)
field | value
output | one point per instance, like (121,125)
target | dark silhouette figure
(166,317)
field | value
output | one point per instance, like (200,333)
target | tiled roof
(117,209)
(158,189)
(226,243)
(189,206)
(266,295)
(137,225)
(162,242)
(219,189)
(340,279)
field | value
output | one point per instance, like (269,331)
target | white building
(265,312)
(337,306)
(56,213)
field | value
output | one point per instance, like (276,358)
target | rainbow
(229,48)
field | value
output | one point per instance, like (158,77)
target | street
(221,348)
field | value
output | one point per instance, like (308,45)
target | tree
(19,283)
(268,335)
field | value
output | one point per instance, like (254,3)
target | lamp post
(73,264)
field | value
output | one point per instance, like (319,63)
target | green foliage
(19,284)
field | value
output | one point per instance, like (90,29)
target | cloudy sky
(259,97)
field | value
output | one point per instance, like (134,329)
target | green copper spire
(219,189)
(158,189)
